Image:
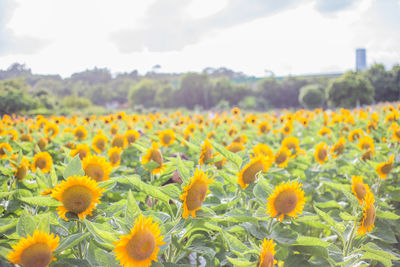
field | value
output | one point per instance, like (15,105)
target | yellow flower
(3,148)
(80,132)
(396,133)
(292,143)
(287,128)
(131,136)
(194,194)
(282,157)
(118,140)
(115,156)
(264,150)
(355,135)
(206,152)
(338,148)
(140,247)
(369,212)
(148,126)
(235,111)
(42,143)
(241,139)
(51,129)
(114,129)
(384,168)
(235,147)
(99,143)
(248,174)
(43,161)
(97,168)
(21,169)
(267,253)
(221,163)
(325,131)
(263,127)
(82,149)
(287,199)
(78,195)
(321,153)
(359,188)
(366,143)
(36,250)
(154,154)
(167,137)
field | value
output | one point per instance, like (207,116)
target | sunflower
(366,143)
(241,139)
(20,168)
(82,149)
(154,154)
(140,247)
(131,136)
(369,212)
(265,150)
(78,194)
(282,157)
(267,253)
(97,168)
(325,131)
(115,156)
(355,135)
(51,129)
(359,188)
(321,153)
(292,143)
(287,199)
(167,137)
(121,115)
(43,161)
(248,174)
(118,140)
(367,155)
(190,129)
(221,163)
(25,138)
(206,152)
(80,132)
(148,126)
(396,133)
(338,148)
(34,251)
(114,129)
(235,147)
(384,168)
(235,111)
(263,127)
(99,143)
(3,148)
(13,133)
(211,135)
(287,128)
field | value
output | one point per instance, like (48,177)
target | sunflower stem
(350,241)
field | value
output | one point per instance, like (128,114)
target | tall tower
(361,59)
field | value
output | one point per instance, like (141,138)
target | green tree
(194,90)
(350,90)
(384,83)
(14,97)
(311,96)
(143,93)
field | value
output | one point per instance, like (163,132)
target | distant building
(361,59)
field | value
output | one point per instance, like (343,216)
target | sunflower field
(303,188)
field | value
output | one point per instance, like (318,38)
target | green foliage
(144,93)
(384,83)
(311,96)
(14,97)
(75,102)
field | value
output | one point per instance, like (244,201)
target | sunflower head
(20,168)
(3,148)
(359,188)
(248,175)
(366,143)
(355,135)
(206,152)
(235,147)
(51,129)
(118,140)
(154,154)
(42,161)
(99,143)
(287,199)
(287,128)
(167,137)
(369,212)
(80,132)
(338,148)
(219,164)
(25,137)
(263,127)
(83,150)
(267,253)
(97,168)
(115,156)
(194,194)
(235,111)
(282,157)
(264,150)
(321,153)
(36,250)
(325,131)
(384,168)
(140,247)
(131,136)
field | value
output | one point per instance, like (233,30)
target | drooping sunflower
(325,131)
(248,174)
(263,127)
(3,148)
(99,143)
(287,199)
(321,153)
(282,157)
(367,155)
(80,132)
(359,188)
(194,194)
(338,148)
(118,140)
(240,139)
(167,137)
(267,253)
(369,212)
(115,156)
(140,247)
(221,163)
(82,149)
(43,161)
(265,150)
(235,147)
(206,152)
(131,136)
(384,168)
(366,143)
(34,251)
(78,195)
(292,143)
(154,154)
(51,129)
(25,137)
(21,168)
(97,168)
(355,135)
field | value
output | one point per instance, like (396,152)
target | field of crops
(305,188)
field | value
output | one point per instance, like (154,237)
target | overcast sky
(286,36)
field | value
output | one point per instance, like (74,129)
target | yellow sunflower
(114,129)
(287,199)
(396,133)
(369,212)
(25,138)
(263,127)
(140,247)
(384,168)
(194,194)
(21,169)
(51,129)
(99,143)
(115,156)
(80,132)
(292,143)
(241,139)
(154,154)
(167,137)
(367,155)
(287,128)
(118,140)
(325,131)
(43,161)
(97,168)
(148,126)
(235,111)
(235,147)
(338,148)
(359,188)
(206,152)
(355,135)
(248,174)
(221,163)
(267,253)
(3,148)
(78,195)
(82,149)
(321,153)
(34,251)
(131,136)
(366,143)
(265,150)
(282,157)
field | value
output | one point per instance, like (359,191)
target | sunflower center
(157,156)
(115,157)
(95,172)
(286,202)
(77,198)
(79,134)
(82,154)
(370,216)
(196,195)
(387,168)
(249,175)
(322,153)
(367,155)
(263,128)
(268,260)
(291,146)
(286,129)
(356,136)
(42,143)
(167,139)
(281,158)
(41,163)
(100,144)
(360,190)
(21,172)
(131,139)
(36,255)
(366,146)
(2,152)
(339,148)
(207,154)
(118,142)
(397,133)
(141,246)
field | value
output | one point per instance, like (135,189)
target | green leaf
(329,220)
(182,170)
(6,194)
(43,222)
(7,224)
(101,232)
(41,201)
(241,262)
(53,176)
(234,243)
(328,204)
(71,263)
(71,241)
(372,256)
(262,190)
(310,241)
(140,148)
(26,225)
(388,215)
(228,155)
(132,209)
(148,189)
(74,168)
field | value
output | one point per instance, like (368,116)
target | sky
(287,37)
